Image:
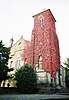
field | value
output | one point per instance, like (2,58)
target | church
(43,53)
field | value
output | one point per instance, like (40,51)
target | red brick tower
(44,43)
(43,51)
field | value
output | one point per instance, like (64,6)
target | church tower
(45,44)
(43,52)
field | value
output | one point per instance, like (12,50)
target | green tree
(26,79)
(4,56)
(67,72)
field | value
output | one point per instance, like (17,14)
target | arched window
(11,64)
(40,62)
(41,22)
(18,63)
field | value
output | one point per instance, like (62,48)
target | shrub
(26,79)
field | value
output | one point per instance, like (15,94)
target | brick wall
(44,42)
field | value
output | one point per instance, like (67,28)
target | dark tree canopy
(67,66)
(4,56)
(26,79)
(67,72)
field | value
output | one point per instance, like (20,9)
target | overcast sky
(16,20)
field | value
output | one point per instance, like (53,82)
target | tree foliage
(4,56)
(67,72)
(67,62)
(26,79)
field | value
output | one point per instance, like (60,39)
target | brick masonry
(44,43)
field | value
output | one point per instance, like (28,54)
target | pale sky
(16,20)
